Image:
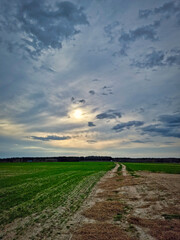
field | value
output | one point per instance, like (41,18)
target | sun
(78,114)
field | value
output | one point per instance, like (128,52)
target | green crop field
(43,189)
(154,167)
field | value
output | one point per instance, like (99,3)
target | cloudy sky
(89,77)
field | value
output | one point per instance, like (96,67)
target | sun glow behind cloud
(78,114)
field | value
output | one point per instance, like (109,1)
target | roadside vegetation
(153,167)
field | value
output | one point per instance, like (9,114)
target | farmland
(154,167)
(41,201)
(48,193)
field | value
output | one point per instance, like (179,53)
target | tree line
(90,158)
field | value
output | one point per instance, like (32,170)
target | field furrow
(45,198)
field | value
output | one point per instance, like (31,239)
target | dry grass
(100,231)
(145,205)
(119,181)
(171,209)
(111,183)
(151,199)
(160,229)
(130,181)
(105,210)
(133,198)
(109,195)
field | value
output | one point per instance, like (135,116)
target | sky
(90,77)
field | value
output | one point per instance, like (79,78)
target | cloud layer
(168,127)
(51,137)
(89,78)
(110,114)
(167,10)
(127,125)
(158,59)
(43,26)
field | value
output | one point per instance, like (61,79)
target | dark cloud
(147,32)
(173,59)
(162,131)
(41,26)
(170,120)
(109,30)
(107,90)
(72,99)
(92,92)
(145,13)
(91,124)
(51,137)
(142,141)
(169,126)
(127,125)
(150,60)
(81,101)
(157,59)
(137,141)
(167,10)
(110,114)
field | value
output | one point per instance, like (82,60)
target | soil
(144,206)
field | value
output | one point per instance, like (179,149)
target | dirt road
(125,207)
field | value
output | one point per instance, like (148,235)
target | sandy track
(129,207)
(124,172)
